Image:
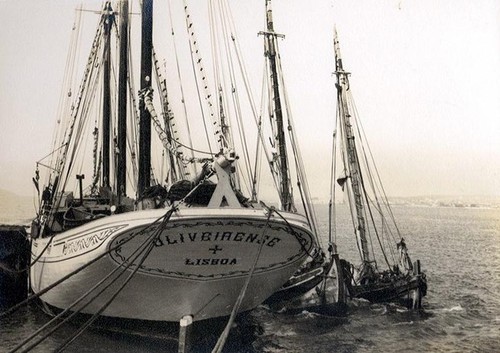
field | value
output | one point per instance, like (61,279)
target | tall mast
(122,101)
(354,171)
(270,35)
(145,117)
(106,101)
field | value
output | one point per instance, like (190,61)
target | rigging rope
(222,339)
(130,262)
(221,25)
(347,174)
(235,94)
(302,182)
(149,247)
(65,100)
(373,186)
(257,117)
(69,275)
(197,61)
(168,119)
(294,233)
(380,184)
(186,120)
(332,216)
(75,108)
(147,96)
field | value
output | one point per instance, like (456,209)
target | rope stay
(202,75)
(257,116)
(278,118)
(230,106)
(80,120)
(376,189)
(65,101)
(181,89)
(62,317)
(370,209)
(148,101)
(177,167)
(146,246)
(302,183)
(91,64)
(222,339)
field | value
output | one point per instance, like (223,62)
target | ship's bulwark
(197,264)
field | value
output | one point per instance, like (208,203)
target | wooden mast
(106,105)
(122,101)
(285,192)
(145,117)
(354,171)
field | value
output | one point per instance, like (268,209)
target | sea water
(459,248)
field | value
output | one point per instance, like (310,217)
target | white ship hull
(197,266)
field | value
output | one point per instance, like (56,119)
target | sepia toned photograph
(250,176)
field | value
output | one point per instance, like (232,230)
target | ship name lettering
(228,236)
(213,261)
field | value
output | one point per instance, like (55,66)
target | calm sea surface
(460,252)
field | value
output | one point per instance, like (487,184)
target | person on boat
(47,195)
(404,258)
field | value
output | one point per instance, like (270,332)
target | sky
(425,77)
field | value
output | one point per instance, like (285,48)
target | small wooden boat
(374,226)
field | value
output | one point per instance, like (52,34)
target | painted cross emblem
(215,249)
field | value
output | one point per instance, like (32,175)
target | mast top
(270,51)
(269,16)
(108,11)
(338,58)
(270,24)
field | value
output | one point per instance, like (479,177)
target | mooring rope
(118,291)
(46,289)
(222,339)
(148,243)
(130,262)
(294,233)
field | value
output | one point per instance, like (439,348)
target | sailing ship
(128,245)
(374,225)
